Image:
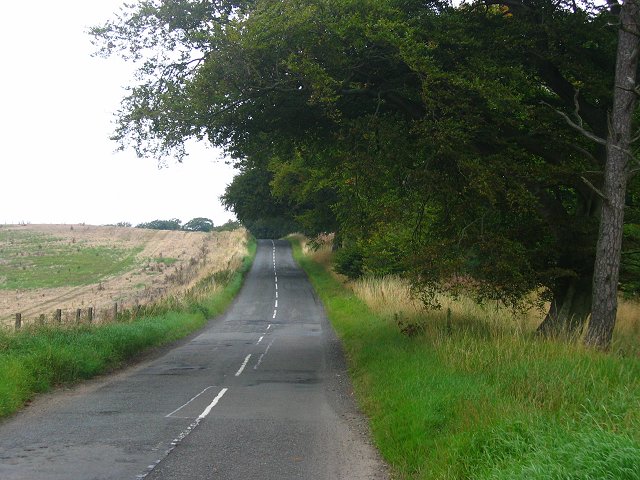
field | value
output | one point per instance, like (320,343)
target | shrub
(349,261)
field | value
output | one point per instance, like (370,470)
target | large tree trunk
(607,264)
(569,309)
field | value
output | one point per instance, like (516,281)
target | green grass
(36,360)
(165,260)
(31,260)
(467,401)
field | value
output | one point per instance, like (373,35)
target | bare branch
(576,112)
(577,127)
(587,154)
(635,138)
(632,172)
(595,189)
(464,229)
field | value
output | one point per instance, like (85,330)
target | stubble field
(69,267)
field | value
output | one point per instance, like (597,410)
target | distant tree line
(198,224)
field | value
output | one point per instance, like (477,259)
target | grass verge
(467,401)
(35,360)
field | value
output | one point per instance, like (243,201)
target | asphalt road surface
(261,393)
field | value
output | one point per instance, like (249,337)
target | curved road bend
(261,393)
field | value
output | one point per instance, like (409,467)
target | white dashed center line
(186,431)
(244,364)
(255,367)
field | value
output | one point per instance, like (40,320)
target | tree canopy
(198,224)
(173,224)
(457,145)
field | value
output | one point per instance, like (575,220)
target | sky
(57,105)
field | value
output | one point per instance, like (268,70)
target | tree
(173,224)
(426,136)
(616,174)
(249,197)
(228,226)
(198,224)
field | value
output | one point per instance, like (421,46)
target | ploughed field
(44,268)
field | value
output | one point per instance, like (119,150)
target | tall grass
(36,359)
(390,296)
(466,399)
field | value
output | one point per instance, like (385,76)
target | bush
(349,261)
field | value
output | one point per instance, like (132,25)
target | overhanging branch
(578,127)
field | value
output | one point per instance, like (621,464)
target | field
(48,267)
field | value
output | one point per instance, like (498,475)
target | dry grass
(627,332)
(320,249)
(169,263)
(391,297)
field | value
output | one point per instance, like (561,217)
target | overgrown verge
(37,359)
(462,400)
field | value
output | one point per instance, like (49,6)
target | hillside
(48,267)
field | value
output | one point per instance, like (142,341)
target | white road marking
(269,327)
(276,286)
(259,340)
(275,312)
(185,432)
(215,401)
(181,407)
(276,294)
(244,364)
(255,367)
(276,279)
(276,305)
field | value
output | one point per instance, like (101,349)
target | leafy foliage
(173,224)
(198,224)
(430,136)
(228,226)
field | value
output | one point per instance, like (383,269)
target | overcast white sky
(57,164)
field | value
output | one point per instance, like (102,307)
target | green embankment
(466,402)
(35,360)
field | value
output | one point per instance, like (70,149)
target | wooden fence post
(115,311)
(90,314)
(78,315)
(18,321)
(58,316)
(41,319)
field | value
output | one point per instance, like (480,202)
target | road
(261,392)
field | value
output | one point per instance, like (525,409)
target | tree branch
(594,188)
(577,127)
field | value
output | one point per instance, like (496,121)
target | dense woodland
(479,146)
